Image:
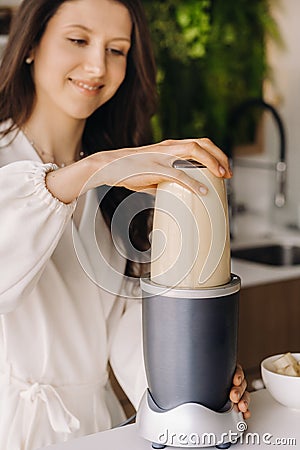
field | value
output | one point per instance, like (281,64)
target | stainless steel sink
(270,254)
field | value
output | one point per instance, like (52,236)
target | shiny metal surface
(270,254)
(187,164)
(151,288)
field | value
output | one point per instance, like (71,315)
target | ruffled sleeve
(31,224)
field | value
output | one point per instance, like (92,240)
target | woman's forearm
(68,183)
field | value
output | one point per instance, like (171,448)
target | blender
(190,319)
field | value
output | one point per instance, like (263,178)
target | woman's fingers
(185,181)
(202,150)
(243,405)
(238,376)
(215,151)
(237,392)
(241,397)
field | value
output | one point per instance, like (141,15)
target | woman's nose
(96,62)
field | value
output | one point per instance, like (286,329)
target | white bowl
(283,388)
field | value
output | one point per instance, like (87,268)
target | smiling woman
(83,61)
(77,91)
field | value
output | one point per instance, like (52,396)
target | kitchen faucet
(280,166)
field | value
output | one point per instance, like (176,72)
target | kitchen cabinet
(269,323)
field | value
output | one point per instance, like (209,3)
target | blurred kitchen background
(214,57)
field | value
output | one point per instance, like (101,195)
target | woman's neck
(55,141)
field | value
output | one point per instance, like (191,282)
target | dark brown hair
(124,121)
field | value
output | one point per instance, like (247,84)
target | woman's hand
(145,167)
(138,168)
(238,393)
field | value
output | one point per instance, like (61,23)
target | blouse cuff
(39,179)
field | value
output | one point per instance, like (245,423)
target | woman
(77,90)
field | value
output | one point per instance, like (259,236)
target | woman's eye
(79,42)
(115,51)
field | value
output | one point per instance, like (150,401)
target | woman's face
(81,59)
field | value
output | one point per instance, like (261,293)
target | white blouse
(64,312)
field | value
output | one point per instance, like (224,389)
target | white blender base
(190,425)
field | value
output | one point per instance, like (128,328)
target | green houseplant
(211,55)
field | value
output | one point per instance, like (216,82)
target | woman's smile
(87,87)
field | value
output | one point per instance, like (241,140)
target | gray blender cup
(190,343)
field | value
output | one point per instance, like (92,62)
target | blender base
(189,425)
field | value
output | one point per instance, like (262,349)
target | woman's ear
(30,57)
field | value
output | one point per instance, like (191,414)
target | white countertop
(271,426)
(253,274)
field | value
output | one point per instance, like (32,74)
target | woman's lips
(86,86)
